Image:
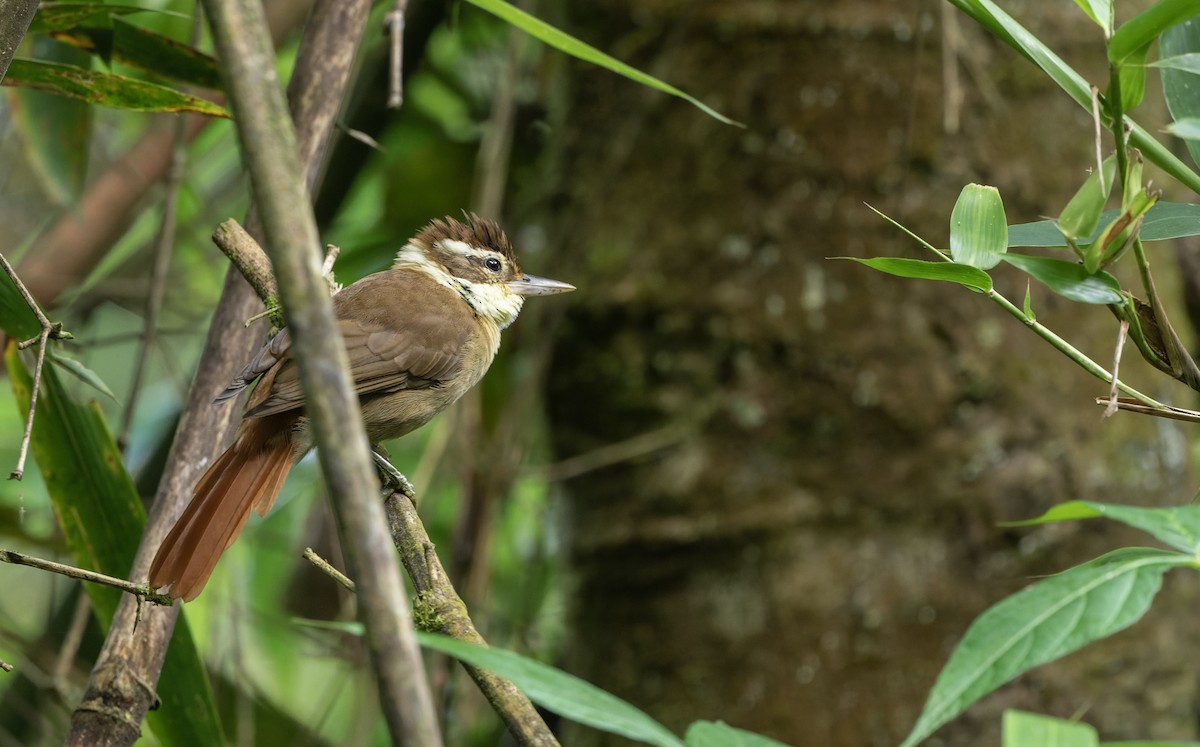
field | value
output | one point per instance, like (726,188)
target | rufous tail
(247,477)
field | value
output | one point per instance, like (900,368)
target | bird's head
(476,259)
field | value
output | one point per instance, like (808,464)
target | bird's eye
(492,264)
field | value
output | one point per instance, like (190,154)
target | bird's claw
(392,478)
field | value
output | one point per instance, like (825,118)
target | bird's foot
(392,479)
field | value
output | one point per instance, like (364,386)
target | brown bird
(418,335)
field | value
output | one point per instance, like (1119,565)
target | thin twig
(1168,412)
(1112,392)
(325,567)
(138,590)
(1097,125)
(248,257)
(71,642)
(48,330)
(394,23)
(4,665)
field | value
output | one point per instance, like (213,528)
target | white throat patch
(490,300)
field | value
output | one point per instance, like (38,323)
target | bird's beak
(532,285)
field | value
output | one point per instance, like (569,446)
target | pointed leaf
(972,277)
(80,371)
(1177,526)
(1132,76)
(1043,622)
(1069,279)
(718,734)
(106,89)
(1023,729)
(978,230)
(1081,216)
(1188,63)
(1165,220)
(558,691)
(564,42)
(1187,128)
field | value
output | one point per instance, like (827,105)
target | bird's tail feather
(247,477)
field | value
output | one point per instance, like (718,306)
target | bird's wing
(395,338)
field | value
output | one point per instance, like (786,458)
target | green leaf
(147,51)
(972,277)
(978,230)
(1081,216)
(1187,128)
(101,517)
(17,320)
(718,734)
(1132,38)
(1188,63)
(1100,11)
(1182,89)
(54,132)
(1042,622)
(1003,27)
(1069,279)
(79,371)
(558,691)
(53,17)
(564,42)
(1023,729)
(1177,526)
(1132,76)
(105,89)
(1166,220)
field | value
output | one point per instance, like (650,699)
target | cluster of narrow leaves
(1062,613)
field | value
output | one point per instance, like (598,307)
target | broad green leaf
(557,691)
(972,277)
(1069,279)
(1182,89)
(1177,526)
(564,42)
(1166,220)
(1188,63)
(105,89)
(1081,216)
(989,15)
(1042,622)
(147,51)
(1022,729)
(978,230)
(1100,11)
(101,517)
(1138,32)
(54,132)
(718,734)
(1187,128)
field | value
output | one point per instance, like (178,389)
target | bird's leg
(391,477)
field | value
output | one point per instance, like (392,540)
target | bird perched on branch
(418,336)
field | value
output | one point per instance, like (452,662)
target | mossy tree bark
(822,526)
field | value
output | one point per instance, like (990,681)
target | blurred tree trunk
(811,522)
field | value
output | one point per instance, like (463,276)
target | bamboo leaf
(1069,279)
(1043,622)
(105,89)
(564,42)
(972,277)
(1176,526)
